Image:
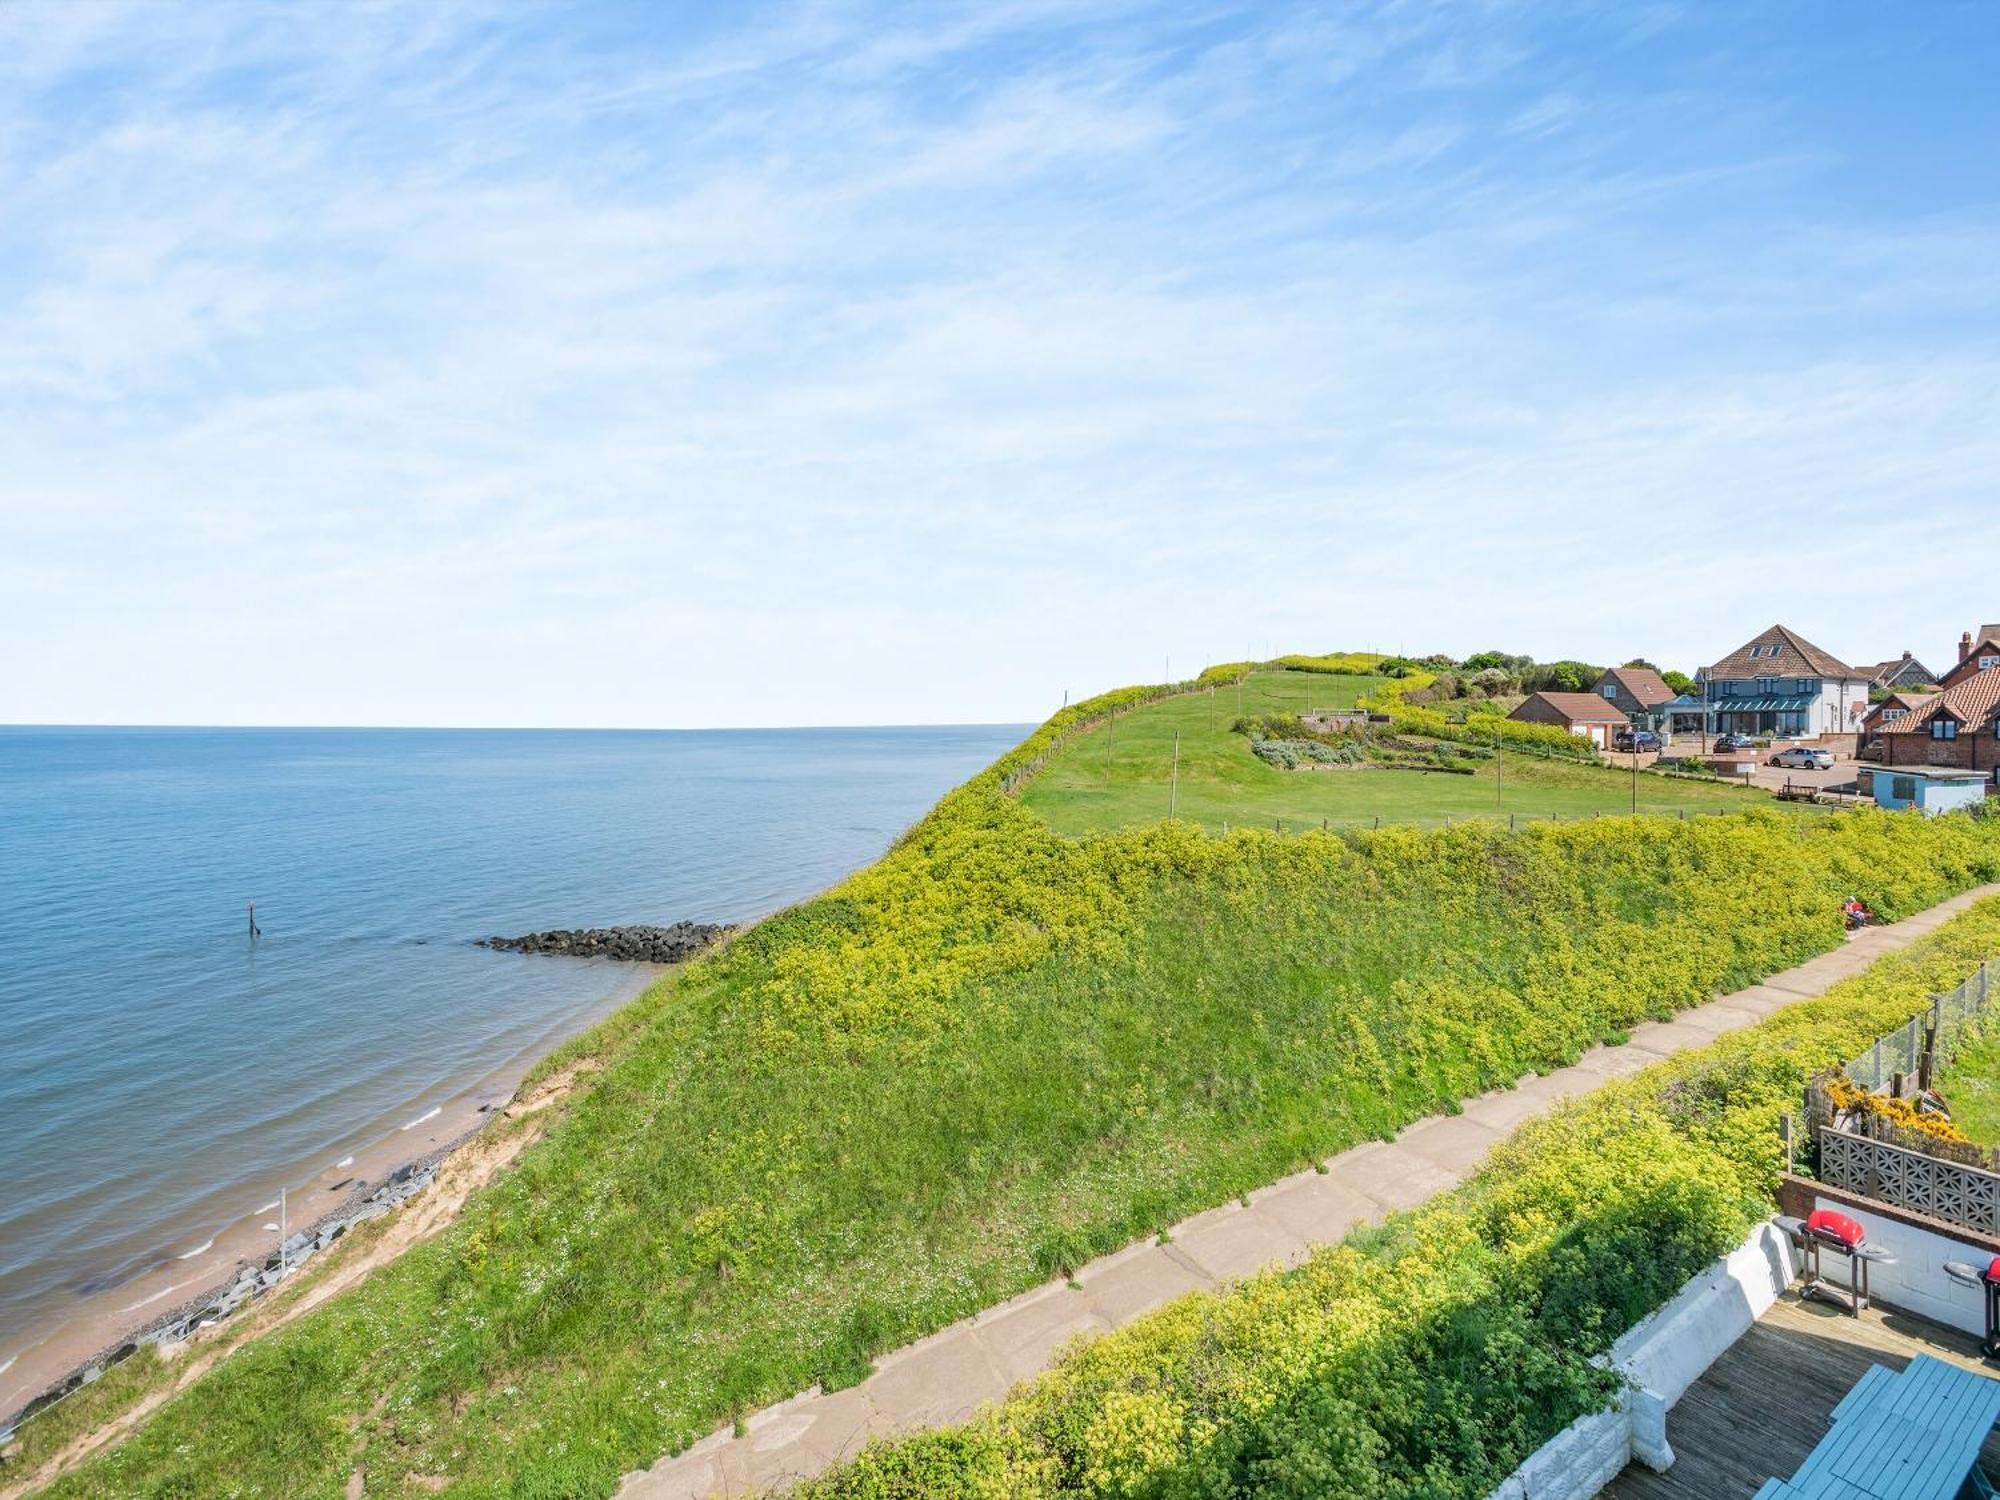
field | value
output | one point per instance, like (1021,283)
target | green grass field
(1971,1085)
(1119,775)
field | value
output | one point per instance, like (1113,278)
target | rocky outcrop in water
(646,945)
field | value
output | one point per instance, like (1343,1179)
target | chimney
(1965,645)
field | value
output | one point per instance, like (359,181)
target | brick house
(1637,692)
(1976,653)
(1958,727)
(1897,706)
(1589,715)
(1779,683)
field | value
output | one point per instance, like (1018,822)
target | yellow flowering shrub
(1849,1097)
(1425,1360)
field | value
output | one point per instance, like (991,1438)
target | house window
(1767,687)
(1889,714)
(1943,728)
(1755,652)
(1776,650)
(1988,661)
(1611,690)
(1903,788)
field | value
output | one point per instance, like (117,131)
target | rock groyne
(647,945)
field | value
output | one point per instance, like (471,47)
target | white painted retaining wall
(1661,1356)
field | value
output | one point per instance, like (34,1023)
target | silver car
(1805,758)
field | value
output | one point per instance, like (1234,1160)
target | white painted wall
(1915,1280)
(1662,1356)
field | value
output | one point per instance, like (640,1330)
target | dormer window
(1777,650)
(1987,663)
(1755,652)
(1944,728)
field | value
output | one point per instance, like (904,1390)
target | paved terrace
(945,1378)
(1766,1403)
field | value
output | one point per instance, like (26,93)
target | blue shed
(1929,789)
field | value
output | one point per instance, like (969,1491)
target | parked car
(1727,742)
(1805,757)
(1636,739)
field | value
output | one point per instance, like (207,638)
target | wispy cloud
(479,362)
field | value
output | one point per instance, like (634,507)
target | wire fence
(1512,820)
(1936,1032)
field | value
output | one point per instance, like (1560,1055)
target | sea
(164,1073)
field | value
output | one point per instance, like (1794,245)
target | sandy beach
(430,1127)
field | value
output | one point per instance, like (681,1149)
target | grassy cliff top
(1120,772)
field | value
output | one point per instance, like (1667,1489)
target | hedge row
(1429,1358)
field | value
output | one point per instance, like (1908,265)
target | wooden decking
(1763,1406)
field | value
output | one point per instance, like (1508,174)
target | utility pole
(1174,792)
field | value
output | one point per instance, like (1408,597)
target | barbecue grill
(1826,1230)
(1988,1279)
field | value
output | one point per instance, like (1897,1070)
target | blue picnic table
(1908,1435)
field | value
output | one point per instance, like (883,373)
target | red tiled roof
(1796,657)
(1580,708)
(1908,700)
(1971,702)
(1642,683)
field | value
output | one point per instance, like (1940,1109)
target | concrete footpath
(945,1378)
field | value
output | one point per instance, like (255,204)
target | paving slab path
(946,1378)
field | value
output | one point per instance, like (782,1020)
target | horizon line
(510,728)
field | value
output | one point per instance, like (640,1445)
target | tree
(1487,660)
(1560,677)
(1640,661)
(1680,682)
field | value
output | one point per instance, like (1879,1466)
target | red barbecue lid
(1836,1225)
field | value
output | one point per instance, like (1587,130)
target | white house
(1780,683)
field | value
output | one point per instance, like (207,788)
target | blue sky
(452,363)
